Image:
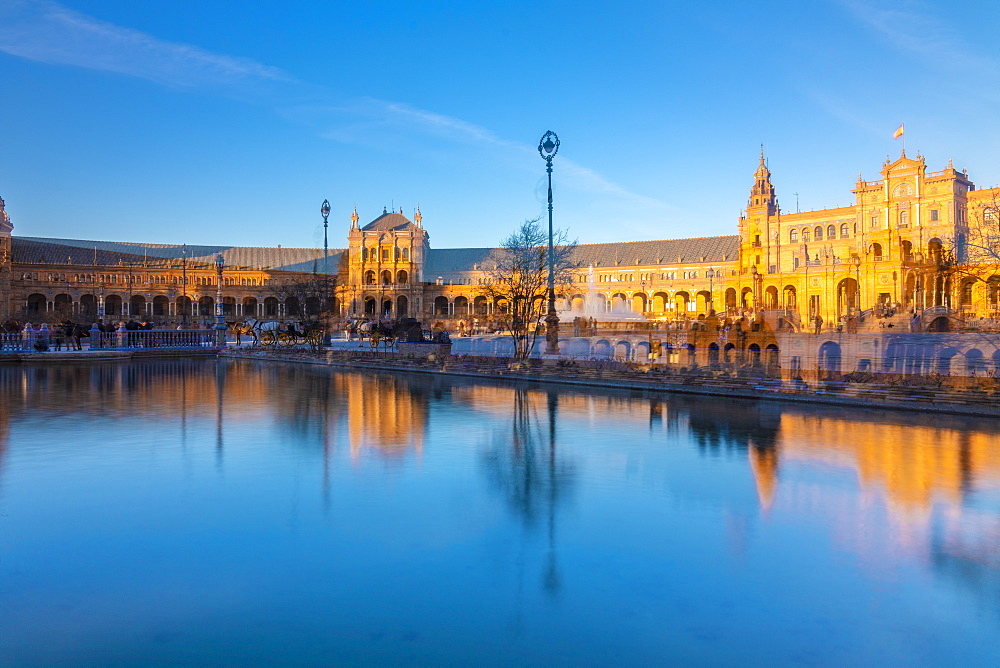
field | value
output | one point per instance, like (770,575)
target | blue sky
(230,122)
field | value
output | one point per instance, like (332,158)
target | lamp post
(753,271)
(857,282)
(220,322)
(100,303)
(184,284)
(547,148)
(324,211)
(711,295)
(130,283)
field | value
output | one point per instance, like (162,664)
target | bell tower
(756,225)
(762,198)
(5,261)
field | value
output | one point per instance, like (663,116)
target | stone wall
(832,356)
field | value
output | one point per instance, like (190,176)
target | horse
(257,328)
(239,329)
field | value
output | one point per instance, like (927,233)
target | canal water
(239,512)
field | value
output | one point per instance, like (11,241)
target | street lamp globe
(549,145)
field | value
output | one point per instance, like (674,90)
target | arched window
(793,236)
(844,232)
(904,218)
(805,234)
(831,232)
(819,233)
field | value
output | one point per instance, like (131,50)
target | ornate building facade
(896,251)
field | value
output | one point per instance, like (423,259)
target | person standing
(132,327)
(78,333)
(42,338)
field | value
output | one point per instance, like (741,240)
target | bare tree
(309,299)
(518,280)
(973,255)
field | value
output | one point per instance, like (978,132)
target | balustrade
(120,339)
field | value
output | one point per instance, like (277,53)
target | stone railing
(156,338)
(121,339)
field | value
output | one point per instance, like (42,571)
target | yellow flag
(898,133)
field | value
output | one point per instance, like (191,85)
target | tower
(5,261)
(755,226)
(385,265)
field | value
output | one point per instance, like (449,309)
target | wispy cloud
(44,31)
(910,27)
(456,129)
(447,126)
(50,33)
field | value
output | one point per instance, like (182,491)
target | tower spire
(762,195)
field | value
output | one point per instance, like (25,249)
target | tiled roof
(441,260)
(392,221)
(77,251)
(623,253)
(648,253)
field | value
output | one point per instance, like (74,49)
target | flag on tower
(898,133)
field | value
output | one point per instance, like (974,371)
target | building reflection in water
(913,459)
(932,477)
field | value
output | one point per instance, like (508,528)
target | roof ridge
(161,245)
(653,241)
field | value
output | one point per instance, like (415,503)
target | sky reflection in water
(188,511)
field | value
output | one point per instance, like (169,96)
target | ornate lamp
(547,148)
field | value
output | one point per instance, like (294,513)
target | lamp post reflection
(532,481)
(220,384)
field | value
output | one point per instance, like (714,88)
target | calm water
(239,513)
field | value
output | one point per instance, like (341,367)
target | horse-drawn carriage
(273,334)
(386,334)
